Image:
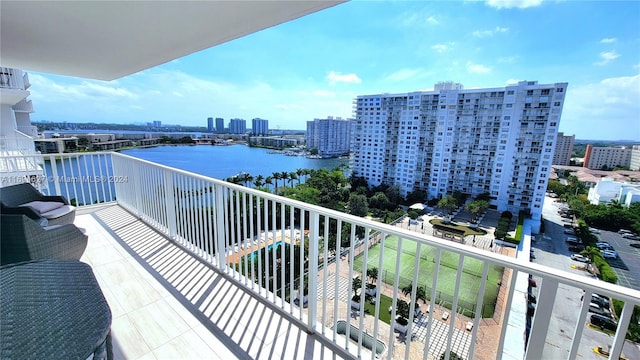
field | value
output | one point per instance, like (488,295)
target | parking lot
(551,250)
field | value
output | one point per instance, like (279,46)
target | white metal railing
(11,78)
(83,178)
(248,234)
(18,141)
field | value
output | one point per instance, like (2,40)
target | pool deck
(238,252)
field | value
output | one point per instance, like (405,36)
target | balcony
(176,255)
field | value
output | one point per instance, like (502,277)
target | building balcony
(194,267)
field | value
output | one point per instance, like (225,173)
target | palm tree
(276,176)
(300,173)
(268,180)
(292,177)
(421,293)
(246,178)
(258,181)
(372,274)
(284,176)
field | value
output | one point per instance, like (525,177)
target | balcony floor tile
(166,304)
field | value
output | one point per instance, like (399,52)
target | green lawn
(470,280)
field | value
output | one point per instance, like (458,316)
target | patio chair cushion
(43,206)
(58,212)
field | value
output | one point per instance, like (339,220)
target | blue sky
(314,66)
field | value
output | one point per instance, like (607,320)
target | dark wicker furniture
(20,194)
(53,309)
(24,239)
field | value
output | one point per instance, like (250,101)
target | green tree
(448,203)
(258,181)
(372,274)
(292,178)
(477,207)
(276,176)
(358,205)
(416,196)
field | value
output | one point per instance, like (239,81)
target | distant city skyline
(298,71)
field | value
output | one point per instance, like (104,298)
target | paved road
(551,250)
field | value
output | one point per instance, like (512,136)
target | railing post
(543,312)
(220,227)
(137,191)
(170,203)
(54,173)
(312,310)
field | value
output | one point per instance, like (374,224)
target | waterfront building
(259,126)
(494,140)
(330,136)
(238,126)
(634,164)
(210,125)
(564,149)
(57,145)
(219,125)
(599,157)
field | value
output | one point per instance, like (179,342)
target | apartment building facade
(330,136)
(238,126)
(564,149)
(259,126)
(634,164)
(499,141)
(604,157)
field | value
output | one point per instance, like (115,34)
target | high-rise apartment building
(564,149)
(259,126)
(330,136)
(238,126)
(605,157)
(210,126)
(499,141)
(635,158)
(219,125)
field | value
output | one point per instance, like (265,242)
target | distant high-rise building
(219,125)
(210,127)
(635,158)
(604,157)
(259,126)
(157,123)
(238,126)
(331,137)
(564,149)
(498,141)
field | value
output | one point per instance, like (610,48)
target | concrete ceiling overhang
(106,40)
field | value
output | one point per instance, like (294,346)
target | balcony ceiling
(106,40)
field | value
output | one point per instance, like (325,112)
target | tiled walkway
(168,305)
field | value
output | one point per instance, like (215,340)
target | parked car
(603,322)
(609,254)
(623,231)
(594,231)
(630,236)
(602,301)
(597,309)
(604,246)
(576,248)
(579,257)
(569,232)
(635,245)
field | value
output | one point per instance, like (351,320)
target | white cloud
(402,74)
(336,77)
(508,4)
(477,68)
(608,40)
(432,20)
(606,57)
(489,33)
(507,59)
(607,110)
(441,48)
(85,90)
